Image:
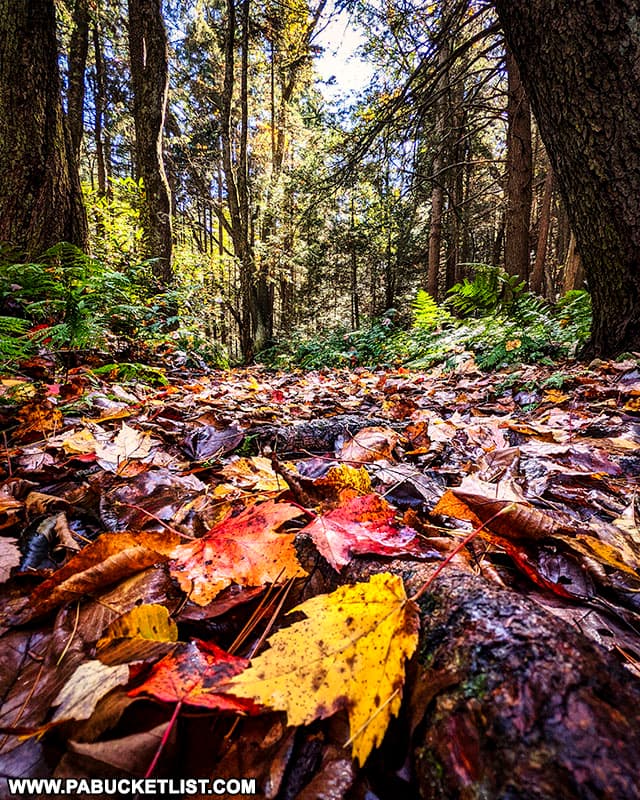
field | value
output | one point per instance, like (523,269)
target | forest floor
(154,537)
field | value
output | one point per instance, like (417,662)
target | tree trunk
(148,51)
(519,175)
(503,699)
(78,50)
(511,702)
(99,105)
(40,195)
(573,269)
(579,65)
(537,276)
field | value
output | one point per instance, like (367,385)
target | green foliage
(69,301)
(133,373)
(15,343)
(492,289)
(532,330)
(115,222)
(427,314)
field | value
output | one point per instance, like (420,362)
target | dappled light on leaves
(349,653)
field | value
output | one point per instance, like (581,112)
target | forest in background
(231,209)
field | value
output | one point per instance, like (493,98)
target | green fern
(427,314)
(490,290)
(15,343)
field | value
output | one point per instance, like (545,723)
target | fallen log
(316,435)
(505,700)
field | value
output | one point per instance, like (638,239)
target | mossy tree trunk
(40,195)
(148,51)
(579,65)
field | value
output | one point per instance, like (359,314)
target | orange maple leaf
(243,549)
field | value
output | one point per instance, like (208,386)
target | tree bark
(504,699)
(149,56)
(537,276)
(78,51)
(579,65)
(519,175)
(40,195)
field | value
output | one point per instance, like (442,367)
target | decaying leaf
(110,558)
(9,556)
(370,444)
(193,674)
(144,632)
(242,549)
(349,653)
(89,684)
(254,473)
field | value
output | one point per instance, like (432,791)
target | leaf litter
(151,539)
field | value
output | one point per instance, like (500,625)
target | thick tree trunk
(519,175)
(150,79)
(40,196)
(510,701)
(579,65)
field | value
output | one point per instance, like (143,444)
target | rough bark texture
(519,175)
(580,65)
(507,701)
(40,196)
(78,51)
(150,79)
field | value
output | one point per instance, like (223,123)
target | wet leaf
(193,674)
(111,558)
(243,549)
(142,633)
(362,525)
(349,653)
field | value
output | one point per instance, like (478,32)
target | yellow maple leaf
(348,654)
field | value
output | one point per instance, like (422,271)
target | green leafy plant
(491,289)
(15,343)
(427,314)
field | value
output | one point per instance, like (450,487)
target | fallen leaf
(349,653)
(10,556)
(128,444)
(344,481)
(145,632)
(369,444)
(207,442)
(362,525)
(193,674)
(243,549)
(254,473)
(85,688)
(110,558)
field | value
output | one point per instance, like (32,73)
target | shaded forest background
(229,207)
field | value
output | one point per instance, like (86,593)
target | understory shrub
(499,324)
